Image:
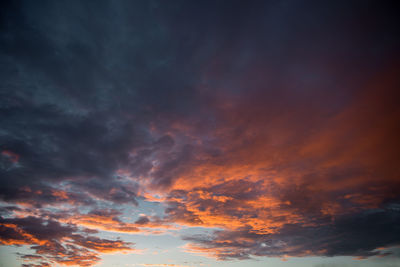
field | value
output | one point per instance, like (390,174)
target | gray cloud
(152,90)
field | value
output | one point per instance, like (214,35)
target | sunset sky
(199,133)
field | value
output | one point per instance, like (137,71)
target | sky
(199,133)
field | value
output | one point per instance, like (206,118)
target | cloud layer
(275,123)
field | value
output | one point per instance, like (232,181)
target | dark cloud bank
(163,90)
(356,235)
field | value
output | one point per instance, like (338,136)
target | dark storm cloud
(82,81)
(54,146)
(79,90)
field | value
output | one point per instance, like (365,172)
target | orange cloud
(102,245)
(277,165)
(101,222)
(57,243)
(13,157)
(107,221)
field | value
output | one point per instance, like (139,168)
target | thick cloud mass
(356,235)
(276,122)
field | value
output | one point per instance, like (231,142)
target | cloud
(79,119)
(101,245)
(355,235)
(162,265)
(296,182)
(57,243)
(275,122)
(42,264)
